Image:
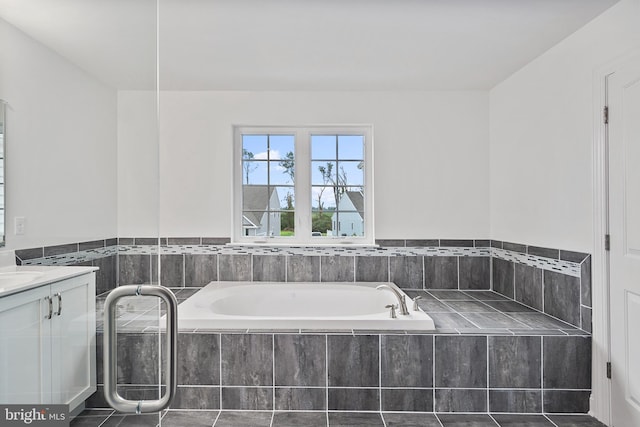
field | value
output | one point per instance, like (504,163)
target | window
(303,185)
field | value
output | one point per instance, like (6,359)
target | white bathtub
(326,306)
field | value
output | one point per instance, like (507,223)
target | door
(624,214)
(73,340)
(25,343)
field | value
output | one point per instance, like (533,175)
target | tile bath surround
(520,370)
(373,372)
(547,280)
(553,281)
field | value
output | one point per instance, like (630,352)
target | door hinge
(605,115)
(607,242)
(609,370)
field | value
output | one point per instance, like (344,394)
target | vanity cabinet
(47,343)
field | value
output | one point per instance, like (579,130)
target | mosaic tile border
(569,268)
(522,254)
(304,250)
(71,258)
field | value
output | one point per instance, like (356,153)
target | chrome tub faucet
(402,303)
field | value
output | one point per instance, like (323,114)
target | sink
(15,278)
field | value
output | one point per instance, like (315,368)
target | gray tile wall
(456,373)
(562,295)
(95,253)
(408,272)
(389,372)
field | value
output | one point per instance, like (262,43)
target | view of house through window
(337,204)
(268,192)
(312,175)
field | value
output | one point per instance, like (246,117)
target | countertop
(48,275)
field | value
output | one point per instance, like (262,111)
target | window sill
(326,243)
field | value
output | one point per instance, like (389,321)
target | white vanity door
(25,345)
(73,340)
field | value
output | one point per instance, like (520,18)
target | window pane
(281,172)
(352,173)
(321,223)
(286,197)
(268,200)
(253,145)
(323,173)
(349,200)
(280,145)
(256,198)
(323,198)
(351,147)
(254,173)
(254,223)
(323,147)
(349,223)
(287,206)
(287,223)
(261,223)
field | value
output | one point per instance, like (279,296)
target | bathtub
(295,306)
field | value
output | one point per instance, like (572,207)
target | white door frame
(601,348)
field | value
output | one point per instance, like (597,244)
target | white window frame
(302,185)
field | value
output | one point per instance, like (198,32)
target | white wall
(542,136)
(138,180)
(431,156)
(61,146)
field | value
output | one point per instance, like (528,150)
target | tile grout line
(550,420)
(580,292)
(542,288)
(220,368)
(354,268)
(424,273)
(513,282)
(488,363)
(542,374)
(105,420)
(380,373)
(433,372)
(273,372)
(494,420)
(326,373)
(438,418)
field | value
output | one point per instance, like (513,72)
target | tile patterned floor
(108,418)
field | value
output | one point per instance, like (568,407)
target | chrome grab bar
(114,400)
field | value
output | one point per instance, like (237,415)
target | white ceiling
(301,44)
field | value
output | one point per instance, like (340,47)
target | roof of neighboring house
(247,223)
(357,199)
(255,201)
